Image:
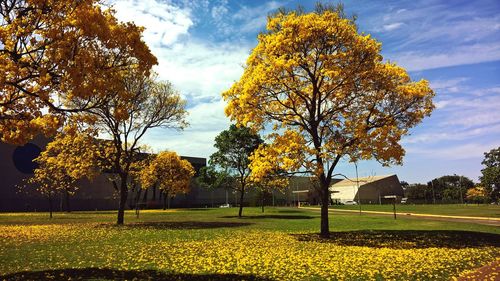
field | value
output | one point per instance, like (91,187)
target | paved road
(466,219)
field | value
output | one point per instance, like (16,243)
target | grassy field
(473,210)
(213,244)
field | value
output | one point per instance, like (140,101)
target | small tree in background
(168,172)
(211,178)
(234,147)
(477,195)
(418,193)
(450,188)
(68,158)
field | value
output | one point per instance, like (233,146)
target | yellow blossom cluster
(68,158)
(168,172)
(61,56)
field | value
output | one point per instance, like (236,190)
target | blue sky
(202,46)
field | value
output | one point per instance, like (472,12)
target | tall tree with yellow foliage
(55,51)
(327,93)
(146,104)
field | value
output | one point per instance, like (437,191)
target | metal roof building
(371,189)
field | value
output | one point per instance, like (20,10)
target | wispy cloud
(457,134)
(255,18)
(449,86)
(457,152)
(433,35)
(466,54)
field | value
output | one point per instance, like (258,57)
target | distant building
(16,165)
(371,190)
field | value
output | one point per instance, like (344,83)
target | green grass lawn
(214,244)
(473,210)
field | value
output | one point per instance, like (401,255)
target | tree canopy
(124,120)
(449,188)
(168,172)
(146,104)
(234,147)
(325,90)
(70,157)
(53,52)
(490,177)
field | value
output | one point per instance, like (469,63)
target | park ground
(214,244)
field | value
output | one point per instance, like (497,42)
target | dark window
(23,157)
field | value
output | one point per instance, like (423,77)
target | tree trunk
(242,193)
(154,193)
(61,202)
(68,208)
(262,202)
(50,206)
(123,199)
(165,198)
(138,197)
(145,197)
(325,200)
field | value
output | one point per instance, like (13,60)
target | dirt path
(487,272)
(465,219)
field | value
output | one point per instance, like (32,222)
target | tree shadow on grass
(178,225)
(288,217)
(408,239)
(113,274)
(290,211)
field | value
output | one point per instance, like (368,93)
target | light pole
(460,189)
(433,195)
(357,185)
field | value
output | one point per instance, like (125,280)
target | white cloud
(164,22)
(201,70)
(252,12)
(484,92)
(392,26)
(464,31)
(206,120)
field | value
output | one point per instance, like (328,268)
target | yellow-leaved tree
(477,195)
(69,157)
(145,104)
(55,51)
(168,172)
(121,122)
(327,93)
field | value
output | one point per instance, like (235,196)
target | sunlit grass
(279,244)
